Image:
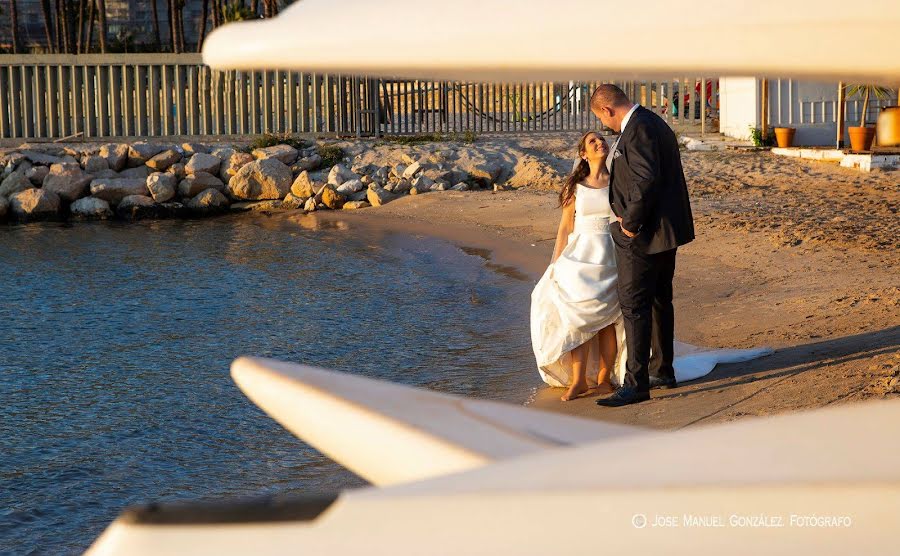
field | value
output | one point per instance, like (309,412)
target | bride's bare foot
(575,391)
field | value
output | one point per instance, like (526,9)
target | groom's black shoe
(662,383)
(625,395)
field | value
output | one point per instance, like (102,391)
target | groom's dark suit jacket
(647,185)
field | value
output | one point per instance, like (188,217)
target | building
(810,107)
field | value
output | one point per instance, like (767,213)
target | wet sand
(795,255)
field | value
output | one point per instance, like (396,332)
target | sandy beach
(790,254)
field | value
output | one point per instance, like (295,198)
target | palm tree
(156,25)
(14,22)
(201,34)
(101,8)
(866,91)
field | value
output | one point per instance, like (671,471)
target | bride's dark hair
(580,172)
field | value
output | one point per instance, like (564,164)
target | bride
(576,324)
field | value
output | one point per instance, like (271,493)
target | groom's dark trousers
(649,193)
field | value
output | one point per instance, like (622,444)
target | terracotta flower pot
(784,136)
(889,127)
(861,138)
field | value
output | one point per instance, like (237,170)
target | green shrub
(331,155)
(272,139)
(758,140)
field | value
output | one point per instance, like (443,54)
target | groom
(649,196)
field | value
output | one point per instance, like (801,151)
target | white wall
(738,106)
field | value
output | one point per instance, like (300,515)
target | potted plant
(861,137)
(784,136)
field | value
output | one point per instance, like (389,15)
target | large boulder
(139,153)
(4,208)
(378,196)
(210,201)
(114,190)
(354,205)
(43,159)
(194,148)
(177,170)
(161,186)
(90,208)
(94,164)
(136,172)
(285,153)
(350,186)
(303,186)
(193,185)
(410,171)
(292,202)
(37,174)
(34,204)
(202,162)
(135,207)
(268,178)
(233,163)
(67,180)
(163,160)
(222,152)
(116,155)
(307,163)
(14,183)
(339,174)
(332,199)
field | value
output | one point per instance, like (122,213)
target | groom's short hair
(608,95)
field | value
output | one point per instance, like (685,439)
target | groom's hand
(624,231)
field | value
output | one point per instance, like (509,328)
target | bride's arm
(566,226)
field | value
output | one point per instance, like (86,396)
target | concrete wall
(738,106)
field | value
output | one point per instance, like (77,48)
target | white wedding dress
(577,297)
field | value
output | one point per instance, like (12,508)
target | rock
(223,153)
(403,187)
(360,195)
(193,185)
(136,207)
(34,204)
(116,155)
(362,169)
(270,205)
(332,199)
(37,174)
(161,186)
(67,180)
(4,207)
(308,163)
(379,196)
(452,176)
(176,170)
(354,205)
(202,162)
(416,191)
(486,173)
(423,182)
(95,164)
(310,204)
(114,191)
(303,187)
(440,186)
(267,178)
(106,174)
(90,208)
(339,174)
(411,170)
(292,201)
(233,163)
(397,171)
(194,148)
(350,186)
(138,172)
(141,152)
(461,186)
(41,158)
(209,201)
(14,183)
(381,175)
(12,160)
(173,209)
(163,160)
(285,153)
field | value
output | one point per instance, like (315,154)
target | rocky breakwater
(158,180)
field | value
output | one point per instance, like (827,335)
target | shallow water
(115,341)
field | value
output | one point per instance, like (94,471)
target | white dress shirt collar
(628,117)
